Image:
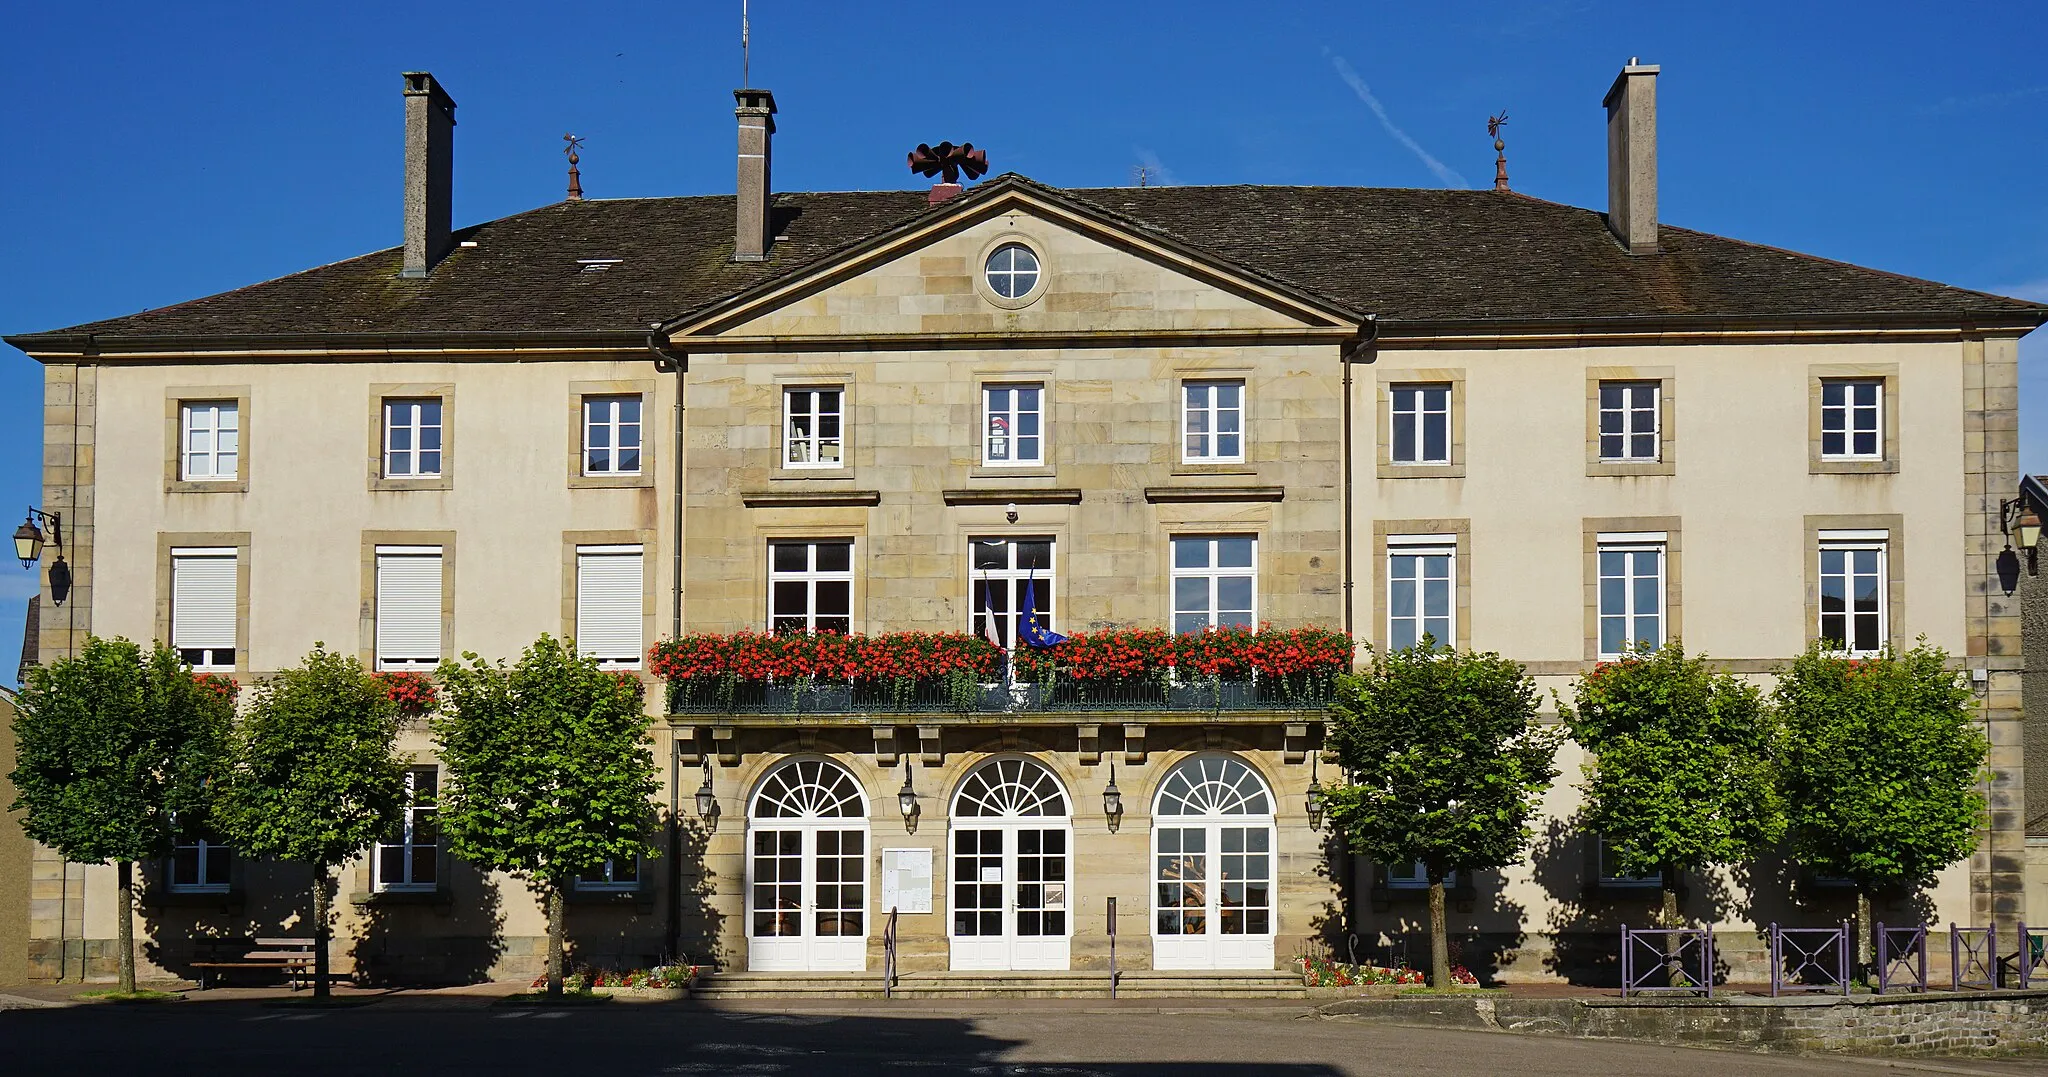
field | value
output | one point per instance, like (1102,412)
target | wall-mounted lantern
(1315,793)
(28,546)
(2020,518)
(707,798)
(906,800)
(1113,800)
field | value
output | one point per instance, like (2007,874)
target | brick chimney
(1632,157)
(756,114)
(429,172)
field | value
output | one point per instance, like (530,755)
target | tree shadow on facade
(700,924)
(1586,916)
(454,935)
(1481,924)
(629,930)
(264,899)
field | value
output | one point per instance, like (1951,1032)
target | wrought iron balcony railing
(962,695)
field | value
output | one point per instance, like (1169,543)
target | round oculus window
(1012,271)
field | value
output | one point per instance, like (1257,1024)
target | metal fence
(1901,958)
(966,696)
(2032,957)
(1972,956)
(1682,957)
(1810,959)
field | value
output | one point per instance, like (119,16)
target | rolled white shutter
(409,605)
(609,585)
(202,599)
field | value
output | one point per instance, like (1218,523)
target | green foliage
(1682,773)
(550,769)
(1881,765)
(115,749)
(316,775)
(1445,758)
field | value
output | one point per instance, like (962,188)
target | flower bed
(659,982)
(1325,973)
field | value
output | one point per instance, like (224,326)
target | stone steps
(969,985)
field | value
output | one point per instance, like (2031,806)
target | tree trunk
(124,930)
(1864,967)
(1674,963)
(320,932)
(1439,944)
(554,942)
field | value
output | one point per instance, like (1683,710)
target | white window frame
(1420,410)
(810,576)
(1604,877)
(1418,547)
(210,660)
(1010,580)
(1628,421)
(411,816)
(604,880)
(209,440)
(407,413)
(202,844)
(1200,446)
(1841,418)
(620,658)
(604,412)
(1214,575)
(1413,876)
(808,450)
(1012,418)
(1629,543)
(1013,273)
(410,662)
(1848,543)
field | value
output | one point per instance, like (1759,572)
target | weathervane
(575,177)
(1500,160)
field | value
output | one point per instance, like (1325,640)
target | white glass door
(1012,870)
(1212,868)
(807,871)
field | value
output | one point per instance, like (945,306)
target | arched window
(807,870)
(810,789)
(1213,849)
(1213,785)
(1010,788)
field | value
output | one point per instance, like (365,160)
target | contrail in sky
(1443,171)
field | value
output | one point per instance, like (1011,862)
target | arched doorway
(1012,868)
(807,870)
(1212,874)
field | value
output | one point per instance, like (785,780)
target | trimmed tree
(1681,775)
(550,771)
(115,750)
(316,777)
(1445,764)
(1881,765)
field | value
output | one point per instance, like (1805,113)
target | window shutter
(203,599)
(408,605)
(609,586)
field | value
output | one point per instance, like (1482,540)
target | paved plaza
(446,1036)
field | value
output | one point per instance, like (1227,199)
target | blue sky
(166,151)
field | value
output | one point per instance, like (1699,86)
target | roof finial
(1500,160)
(575,177)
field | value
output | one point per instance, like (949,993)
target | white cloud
(2036,290)
(1156,172)
(1445,173)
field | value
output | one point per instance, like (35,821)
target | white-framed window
(1852,418)
(408,607)
(410,858)
(1630,423)
(811,428)
(203,606)
(1212,422)
(200,863)
(612,875)
(1011,271)
(412,438)
(1422,587)
(1215,581)
(1855,603)
(1006,572)
(211,445)
(611,435)
(611,592)
(1013,430)
(810,586)
(1631,591)
(1421,417)
(1413,876)
(1610,876)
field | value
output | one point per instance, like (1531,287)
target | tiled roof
(1408,256)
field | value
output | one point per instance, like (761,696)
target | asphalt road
(1012,1039)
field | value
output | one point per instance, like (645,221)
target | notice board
(907,880)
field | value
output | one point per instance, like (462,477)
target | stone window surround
(978,443)
(1886,372)
(1383,422)
(367,619)
(571,541)
(1176,452)
(1894,527)
(978,271)
(765,535)
(166,541)
(382,391)
(1461,582)
(645,390)
(842,380)
(175,398)
(1595,526)
(1666,380)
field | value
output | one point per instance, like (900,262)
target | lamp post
(28,546)
(1113,800)
(906,800)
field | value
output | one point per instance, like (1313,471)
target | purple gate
(1901,958)
(1973,956)
(2033,955)
(1682,957)
(1810,959)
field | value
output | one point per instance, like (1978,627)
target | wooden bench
(293,957)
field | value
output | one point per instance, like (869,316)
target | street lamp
(1113,800)
(906,800)
(707,797)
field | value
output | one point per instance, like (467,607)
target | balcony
(972,696)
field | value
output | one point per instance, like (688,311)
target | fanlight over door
(807,870)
